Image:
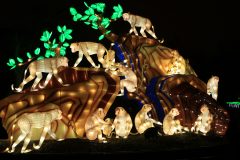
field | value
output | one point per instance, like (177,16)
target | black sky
(205,32)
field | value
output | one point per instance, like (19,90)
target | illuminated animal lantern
(203,122)
(212,87)
(108,128)
(177,64)
(95,124)
(109,60)
(28,121)
(130,81)
(122,123)
(143,121)
(36,68)
(138,21)
(87,49)
(171,125)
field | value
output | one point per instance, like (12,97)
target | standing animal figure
(130,81)
(138,21)
(95,124)
(36,68)
(212,87)
(28,121)
(171,125)
(88,49)
(203,122)
(122,123)
(143,121)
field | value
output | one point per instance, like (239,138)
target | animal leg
(37,80)
(142,32)
(26,142)
(60,80)
(135,31)
(28,79)
(151,33)
(80,57)
(20,138)
(42,138)
(131,30)
(91,61)
(49,76)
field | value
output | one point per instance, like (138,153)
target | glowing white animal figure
(130,81)
(143,121)
(36,68)
(95,124)
(87,49)
(212,87)
(138,21)
(122,123)
(28,121)
(171,125)
(203,122)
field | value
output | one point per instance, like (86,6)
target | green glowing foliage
(77,17)
(84,18)
(108,32)
(11,63)
(39,58)
(105,22)
(118,11)
(100,37)
(62,51)
(62,38)
(37,51)
(100,7)
(65,44)
(85,4)
(65,34)
(73,11)
(46,45)
(29,55)
(46,36)
(19,59)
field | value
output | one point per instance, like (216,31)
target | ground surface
(186,146)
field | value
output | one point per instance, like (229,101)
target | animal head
(147,107)
(100,113)
(174,112)
(120,111)
(108,128)
(74,47)
(110,56)
(63,61)
(56,114)
(125,16)
(215,79)
(204,109)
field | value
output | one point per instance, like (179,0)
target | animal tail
(20,89)
(134,133)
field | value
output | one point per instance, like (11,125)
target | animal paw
(26,151)
(98,66)
(121,94)
(159,123)
(36,146)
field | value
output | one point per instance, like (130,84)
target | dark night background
(205,32)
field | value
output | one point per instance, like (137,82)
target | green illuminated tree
(52,47)
(94,17)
